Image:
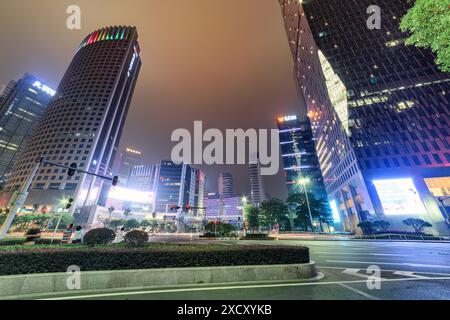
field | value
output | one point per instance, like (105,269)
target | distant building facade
(226,185)
(257,193)
(22,105)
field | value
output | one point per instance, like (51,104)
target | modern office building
(142,178)
(257,194)
(200,193)
(174,187)
(83,123)
(226,185)
(22,105)
(300,160)
(379,111)
(227,210)
(128,158)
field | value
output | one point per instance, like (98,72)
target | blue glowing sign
(44,88)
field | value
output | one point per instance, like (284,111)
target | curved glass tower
(84,122)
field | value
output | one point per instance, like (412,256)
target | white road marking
(410,274)
(285,285)
(364,294)
(355,273)
(392,263)
(390,270)
(361,254)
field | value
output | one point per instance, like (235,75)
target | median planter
(41,270)
(42,260)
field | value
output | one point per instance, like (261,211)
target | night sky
(226,63)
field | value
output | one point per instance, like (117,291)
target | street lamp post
(303,182)
(244,205)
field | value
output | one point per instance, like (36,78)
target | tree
(132,224)
(366,227)
(320,210)
(428,21)
(253,218)
(418,225)
(272,212)
(114,224)
(66,220)
(110,211)
(127,213)
(381,225)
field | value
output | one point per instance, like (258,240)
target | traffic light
(72,171)
(173,207)
(187,208)
(115,181)
(69,203)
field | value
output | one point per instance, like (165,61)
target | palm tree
(110,211)
(127,213)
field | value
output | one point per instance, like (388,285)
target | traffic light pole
(19,202)
(24,191)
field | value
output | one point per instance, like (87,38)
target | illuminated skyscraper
(257,194)
(22,106)
(84,122)
(226,185)
(300,160)
(127,159)
(379,111)
(200,193)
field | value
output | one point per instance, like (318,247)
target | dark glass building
(300,161)
(22,106)
(84,122)
(175,187)
(391,101)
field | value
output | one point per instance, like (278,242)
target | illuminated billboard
(399,197)
(135,196)
(335,211)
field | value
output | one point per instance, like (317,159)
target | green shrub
(136,238)
(99,236)
(149,257)
(33,234)
(12,242)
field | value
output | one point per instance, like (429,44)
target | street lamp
(244,200)
(303,182)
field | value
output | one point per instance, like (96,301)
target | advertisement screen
(335,211)
(399,197)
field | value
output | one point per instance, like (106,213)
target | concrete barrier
(19,285)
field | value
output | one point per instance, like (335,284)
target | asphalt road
(408,270)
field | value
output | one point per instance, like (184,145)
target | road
(409,270)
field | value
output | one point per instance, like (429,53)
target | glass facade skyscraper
(22,106)
(378,108)
(300,160)
(84,122)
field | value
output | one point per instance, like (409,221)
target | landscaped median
(43,269)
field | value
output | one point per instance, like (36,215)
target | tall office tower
(22,106)
(200,193)
(343,179)
(257,194)
(175,187)
(397,103)
(84,122)
(127,159)
(142,178)
(300,160)
(226,185)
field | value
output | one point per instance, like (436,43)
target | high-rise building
(228,210)
(142,178)
(379,111)
(200,193)
(226,185)
(257,194)
(174,187)
(22,106)
(127,159)
(84,122)
(300,160)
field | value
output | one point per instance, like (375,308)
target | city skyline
(227,88)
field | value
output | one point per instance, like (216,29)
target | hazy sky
(226,63)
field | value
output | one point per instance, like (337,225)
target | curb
(20,285)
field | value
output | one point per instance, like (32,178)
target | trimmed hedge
(149,257)
(12,242)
